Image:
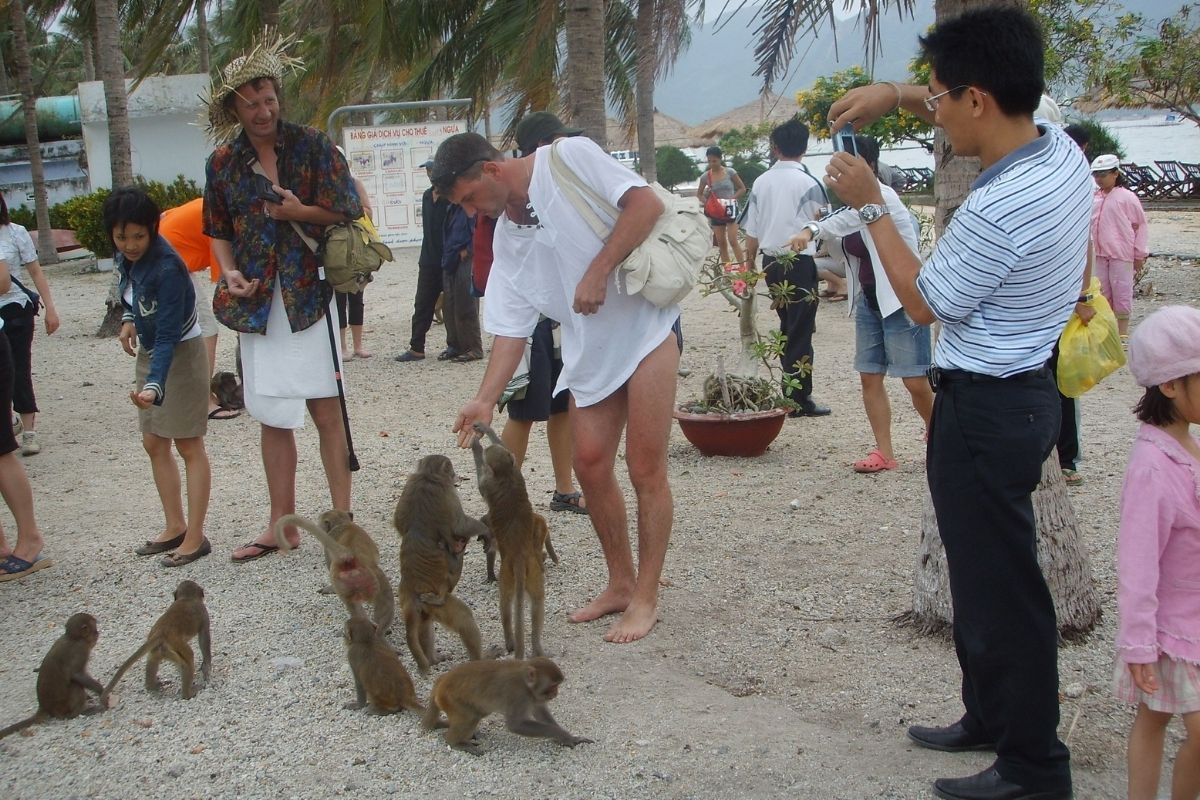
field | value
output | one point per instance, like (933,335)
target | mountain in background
(716,73)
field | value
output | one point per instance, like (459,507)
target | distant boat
(1173,118)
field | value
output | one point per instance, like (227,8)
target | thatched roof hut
(667,131)
(765,108)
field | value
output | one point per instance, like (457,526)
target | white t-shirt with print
(536,270)
(16,250)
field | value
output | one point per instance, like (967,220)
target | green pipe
(58,118)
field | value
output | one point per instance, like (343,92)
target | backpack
(350,253)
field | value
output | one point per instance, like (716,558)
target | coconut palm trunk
(584,23)
(112,72)
(647,66)
(47,254)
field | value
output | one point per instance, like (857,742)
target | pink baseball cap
(1165,346)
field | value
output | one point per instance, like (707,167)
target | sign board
(388,159)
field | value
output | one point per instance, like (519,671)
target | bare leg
(879,411)
(166,480)
(1122,330)
(279,464)
(516,438)
(326,414)
(837,284)
(1146,752)
(722,242)
(210,346)
(29,421)
(356,335)
(731,231)
(199,487)
(650,399)
(1185,779)
(558,436)
(14,487)
(922,397)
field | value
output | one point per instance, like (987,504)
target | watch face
(870,212)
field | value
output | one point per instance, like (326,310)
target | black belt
(937,376)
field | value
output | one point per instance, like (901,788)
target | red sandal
(875,462)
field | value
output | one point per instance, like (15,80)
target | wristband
(1084,298)
(895,86)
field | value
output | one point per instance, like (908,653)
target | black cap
(538,127)
(428,164)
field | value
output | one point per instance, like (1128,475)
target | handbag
(1089,353)
(717,209)
(35,299)
(665,267)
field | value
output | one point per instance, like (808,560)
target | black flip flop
(228,412)
(263,550)
(154,548)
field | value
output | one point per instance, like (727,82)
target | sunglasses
(446,177)
(931,103)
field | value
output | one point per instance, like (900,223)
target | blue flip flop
(12,568)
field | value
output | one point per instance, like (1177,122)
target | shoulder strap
(308,240)
(820,185)
(575,189)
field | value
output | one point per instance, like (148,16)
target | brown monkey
(63,677)
(519,690)
(353,559)
(225,387)
(434,533)
(488,540)
(521,537)
(380,680)
(185,619)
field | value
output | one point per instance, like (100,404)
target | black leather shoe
(409,355)
(448,354)
(809,409)
(988,785)
(951,739)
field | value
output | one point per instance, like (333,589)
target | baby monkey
(185,619)
(380,680)
(519,690)
(63,679)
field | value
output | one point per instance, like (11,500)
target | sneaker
(18,425)
(30,446)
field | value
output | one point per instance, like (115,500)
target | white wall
(165,135)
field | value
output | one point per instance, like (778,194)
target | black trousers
(1068,431)
(429,288)
(797,320)
(18,330)
(987,442)
(355,301)
(460,311)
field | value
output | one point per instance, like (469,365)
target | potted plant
(741,413)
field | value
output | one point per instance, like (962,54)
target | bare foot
(607,602)
(363,354)
(263,545)
(635,623)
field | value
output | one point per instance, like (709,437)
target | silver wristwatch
(872,212)
(814,229)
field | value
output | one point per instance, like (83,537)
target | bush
(748,169)
(674,167)
(1100,140)
(27,217)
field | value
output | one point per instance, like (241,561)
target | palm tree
(112,72)
(582,21)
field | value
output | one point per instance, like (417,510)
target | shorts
(204,301)
(544,367)
(1178,692)
(184,410)
(896,345)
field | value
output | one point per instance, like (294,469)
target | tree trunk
(47,254)
(584,23)
(202,44)
(1063,559)
(112,72)
(647,63)
(89,58)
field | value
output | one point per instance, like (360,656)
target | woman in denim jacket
(172,370)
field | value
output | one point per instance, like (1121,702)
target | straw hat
(266,58)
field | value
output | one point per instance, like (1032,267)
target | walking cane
(337,376)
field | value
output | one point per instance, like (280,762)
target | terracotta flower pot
(746,435)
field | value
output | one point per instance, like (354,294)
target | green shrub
(748,169)
(83,215)
(23,216)
(1100,140)
(170,195)
(674,167)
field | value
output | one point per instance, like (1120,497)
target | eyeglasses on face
(931,103)
(446,177)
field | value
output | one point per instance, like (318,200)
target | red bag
(715,208)
(481,259)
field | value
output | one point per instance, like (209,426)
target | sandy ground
(775,669)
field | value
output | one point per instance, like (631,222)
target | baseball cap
(1105,162)
(428,164)
(539,126)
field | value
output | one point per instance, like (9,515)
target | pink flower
(739,288)
(731,266)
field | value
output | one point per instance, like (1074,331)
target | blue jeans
(894,344)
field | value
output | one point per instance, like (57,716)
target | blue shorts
(896,345)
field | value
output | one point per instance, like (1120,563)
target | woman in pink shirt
(1158,555)
(1119,237)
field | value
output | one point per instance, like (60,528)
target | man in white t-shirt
(620,352)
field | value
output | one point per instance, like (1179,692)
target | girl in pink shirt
(1119,237)
(1158,554)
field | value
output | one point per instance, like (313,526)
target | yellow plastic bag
(1088,353)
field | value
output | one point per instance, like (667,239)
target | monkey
(434,534)
(63,679)
(380,680)
(185,619)
(518,689)
(225,387)
(353,559)
(521,537)
(488,540)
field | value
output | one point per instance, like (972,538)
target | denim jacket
(164,307)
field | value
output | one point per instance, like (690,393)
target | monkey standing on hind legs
(434,533)
(521,535)
(353,559)
(518,689)
(185,619)
(63,679)
(380,680)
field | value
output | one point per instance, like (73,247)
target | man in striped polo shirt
(1003,280)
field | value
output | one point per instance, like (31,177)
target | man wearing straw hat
(270,290)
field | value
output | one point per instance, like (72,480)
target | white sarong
(282,369)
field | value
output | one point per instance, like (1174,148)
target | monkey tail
(333,548)
(433,716)
(129,662)
(519,628)
(23,724)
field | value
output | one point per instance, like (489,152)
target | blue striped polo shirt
(1006,273)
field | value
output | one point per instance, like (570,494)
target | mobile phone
(843,140)
(265,191)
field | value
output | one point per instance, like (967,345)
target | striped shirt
(1006,273)
(783,198)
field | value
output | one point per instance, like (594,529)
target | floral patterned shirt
(265,248)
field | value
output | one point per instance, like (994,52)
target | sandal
(1071,477)
(153,548)
(224,413)
(568,502)
(180,559)
(263,550)
(875,462)
(463,358)
(13,568)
